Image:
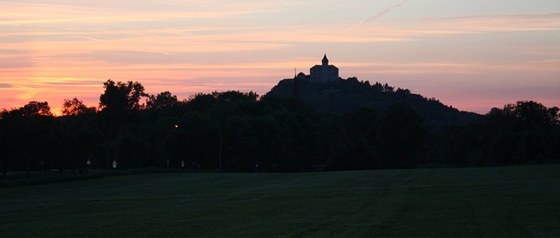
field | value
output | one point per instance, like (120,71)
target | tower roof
(325,60)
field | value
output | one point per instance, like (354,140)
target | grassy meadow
(521,201)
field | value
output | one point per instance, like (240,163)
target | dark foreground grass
(475,202)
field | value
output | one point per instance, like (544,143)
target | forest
(244,132)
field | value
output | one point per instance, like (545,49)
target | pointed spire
(325,60)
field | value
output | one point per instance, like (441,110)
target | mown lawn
(472,202)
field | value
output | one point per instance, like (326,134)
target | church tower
(325,60)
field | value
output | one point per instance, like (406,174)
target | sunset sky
(471,54)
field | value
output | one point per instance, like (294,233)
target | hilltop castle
(321,73)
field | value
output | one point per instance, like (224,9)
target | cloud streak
(385,11)
(497,23)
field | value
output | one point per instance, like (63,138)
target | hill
(342,96)
(472,202)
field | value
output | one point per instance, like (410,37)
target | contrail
(381,13)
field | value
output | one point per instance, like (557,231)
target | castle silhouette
(321,73)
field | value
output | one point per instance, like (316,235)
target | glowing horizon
(473,56)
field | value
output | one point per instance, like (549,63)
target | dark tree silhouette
(27,134)
(120,96)
(162,100)
(75,107)
(401,134)
(341,125)
(33,108)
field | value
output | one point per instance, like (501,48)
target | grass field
(471,202)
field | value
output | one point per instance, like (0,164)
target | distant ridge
(347,95)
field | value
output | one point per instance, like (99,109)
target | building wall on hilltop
(323,73)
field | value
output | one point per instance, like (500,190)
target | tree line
(236,131)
